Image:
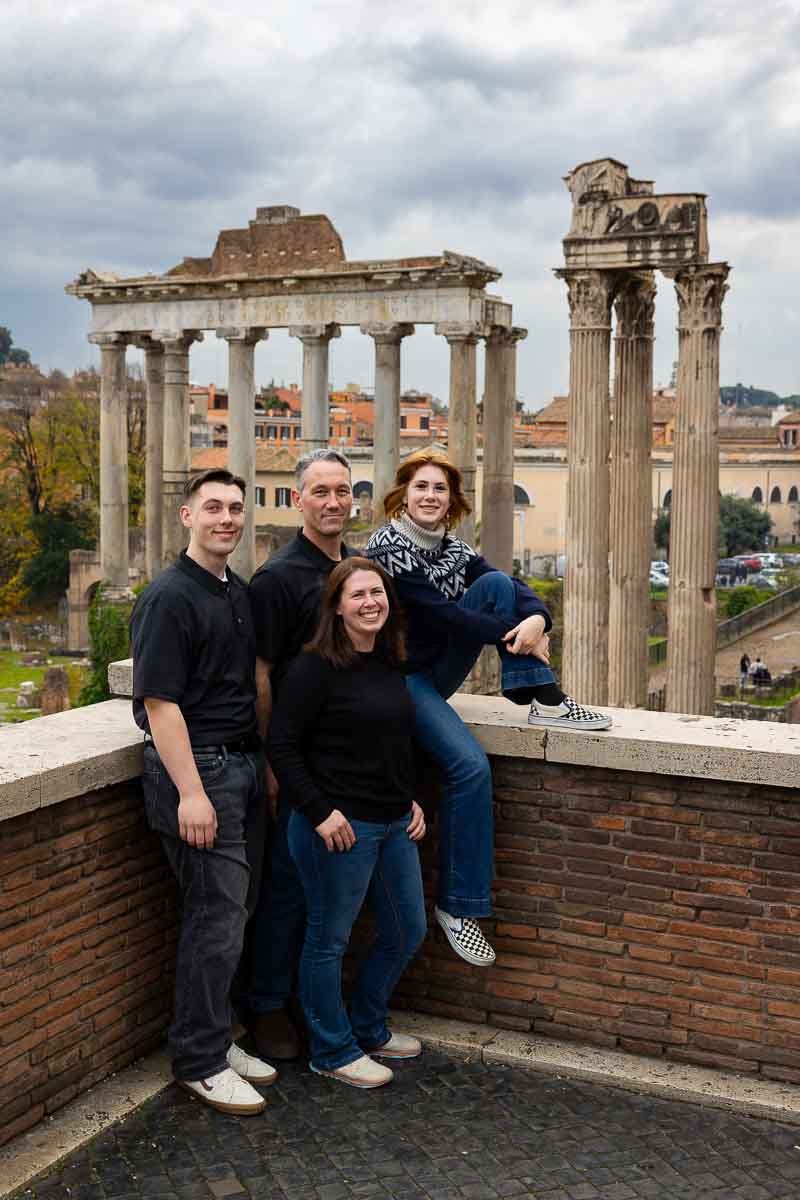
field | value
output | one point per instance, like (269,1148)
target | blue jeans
(383,867)
(278,924)
(466,819)
(218,888)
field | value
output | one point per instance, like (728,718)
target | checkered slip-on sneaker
(569,715)
(466,937)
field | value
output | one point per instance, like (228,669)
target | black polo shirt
(285,595)
(193,643)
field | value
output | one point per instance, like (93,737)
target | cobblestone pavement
(444,1130)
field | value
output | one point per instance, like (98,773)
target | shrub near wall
(654,913)
(87,930)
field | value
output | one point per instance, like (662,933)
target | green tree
(9,352)
(743,526)
(55,533)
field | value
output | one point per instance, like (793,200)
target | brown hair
(395,499)
(331,640)
(213,475)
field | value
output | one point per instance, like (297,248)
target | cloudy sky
(131,131)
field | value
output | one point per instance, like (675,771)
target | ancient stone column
(386,436)
(113,459)
(462,412)
(241,433)
(176,461)
(499,408)
(691,603)
(585,641)
(154,452)
(315,417)
(631,526)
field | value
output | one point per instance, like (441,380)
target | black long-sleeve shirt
(342,739)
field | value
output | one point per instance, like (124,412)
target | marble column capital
(315,333)
(456,332)
(176,341)
(700,288)
(245,334)
(110,341)
(388,332)
(589,295)
(504,335)
(634,306)
(143,341)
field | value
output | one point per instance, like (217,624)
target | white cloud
(132,132)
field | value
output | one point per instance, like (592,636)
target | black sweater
(429,584)
(342,739)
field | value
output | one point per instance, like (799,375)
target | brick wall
(87,926)
(656,914)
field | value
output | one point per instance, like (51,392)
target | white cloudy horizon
(131,133)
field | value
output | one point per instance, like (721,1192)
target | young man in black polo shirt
(285,594)
(194,696)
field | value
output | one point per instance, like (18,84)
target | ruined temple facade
(285,270)
(621,232)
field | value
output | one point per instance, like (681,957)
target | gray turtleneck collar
(425,539)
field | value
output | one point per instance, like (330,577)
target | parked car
(751,561)
(658,579)
(727,566)
(773,561)
(659,565)
(761,580)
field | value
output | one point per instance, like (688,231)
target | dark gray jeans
(218,888)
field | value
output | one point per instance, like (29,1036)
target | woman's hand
(529,637)
(416,830)
(336,832)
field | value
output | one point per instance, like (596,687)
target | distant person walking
(744,670)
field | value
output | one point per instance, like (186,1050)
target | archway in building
(521,497)
(757,496)
(775,495)
(792,498)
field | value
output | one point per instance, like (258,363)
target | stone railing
(757,617)
(647,896)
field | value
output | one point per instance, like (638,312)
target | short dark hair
(213,475)
(331,640)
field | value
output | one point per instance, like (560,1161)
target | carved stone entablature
(700,290)
(618,223)
(589,294)
(634,306)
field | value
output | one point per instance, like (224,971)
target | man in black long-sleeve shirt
(285,594)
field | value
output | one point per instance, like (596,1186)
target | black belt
(243,745)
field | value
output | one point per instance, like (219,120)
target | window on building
(261,497)
(330,431)
(757,496)
(775,496)
(424,422)
(520,495)
(259,431)
(793,494)
(272,431)
(284,433)
(404,422)
(349,431)
(283,497)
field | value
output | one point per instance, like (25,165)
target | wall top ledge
(51,759)
(652,742)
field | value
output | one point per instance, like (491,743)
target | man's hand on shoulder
(197,821)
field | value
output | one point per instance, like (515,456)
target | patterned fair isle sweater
(431,570)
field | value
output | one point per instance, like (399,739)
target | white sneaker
(363,1073)
(399,1045)
(226,1091)
(569,715)
(466,937)
(253,1069)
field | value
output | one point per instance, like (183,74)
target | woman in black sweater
(340,746)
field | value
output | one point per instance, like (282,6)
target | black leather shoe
(274,1035)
